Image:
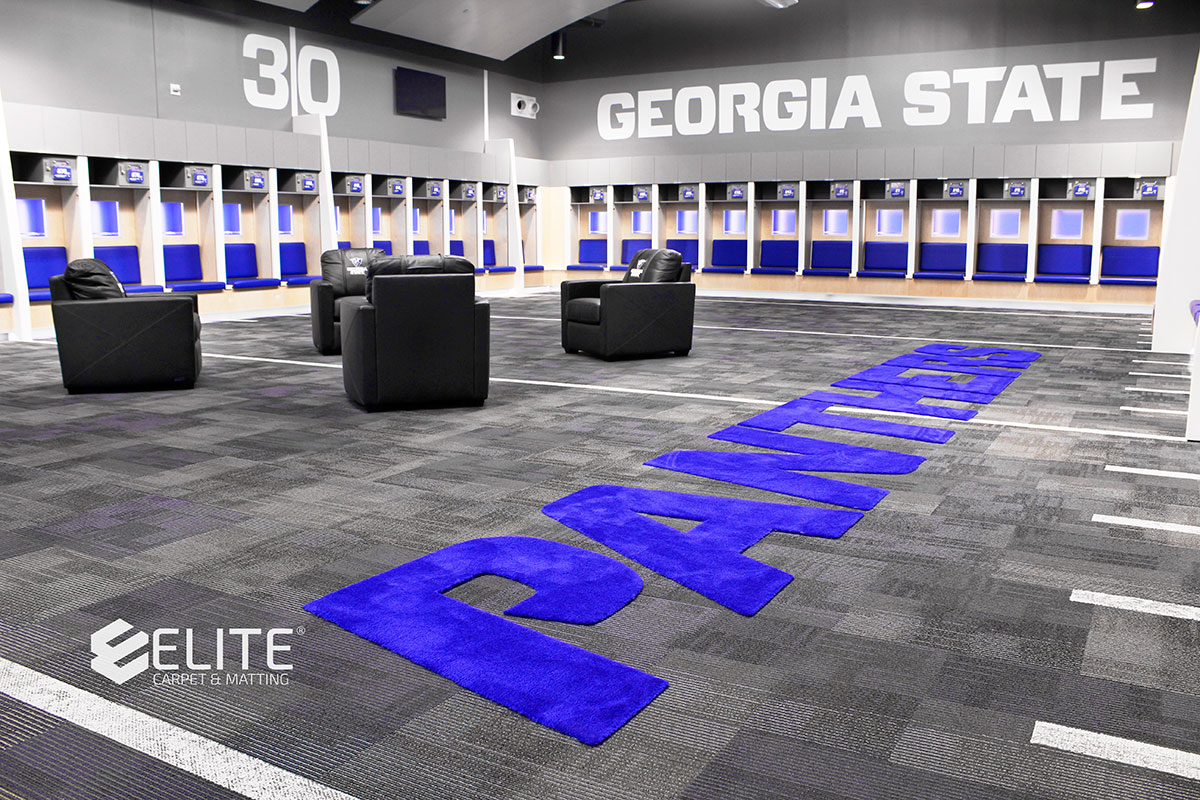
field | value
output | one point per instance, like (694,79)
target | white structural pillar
(314,125)
(12,257)
(1178,272)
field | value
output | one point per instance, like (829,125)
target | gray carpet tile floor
(909,659)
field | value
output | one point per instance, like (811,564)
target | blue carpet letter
(559,685)
(708,558)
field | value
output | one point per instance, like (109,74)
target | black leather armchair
(419,340)
(651,311)
(343,283)
(113,344)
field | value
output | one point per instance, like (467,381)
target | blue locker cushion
(499,270)
(1002,258)
(593,251)
(1129,281)
(302,280)
(778,255)
(688,248)
(939,276)
(41,263)
(943,257)
(588,267)
(458,248)
(890,256)
(123,260)
(883,273)
(197,286)
(728,253)
(5,299)
(1059,279)
(182,262)
(255,283)
(142,288)
(998,276)
(1128,262)
(534,268)
(629,248)
(343,245)
(830,256)
(293,259)
(384,245)
(772,271)
(241,267)
(420,247)
(489,252)
(1064,260)
(39,295)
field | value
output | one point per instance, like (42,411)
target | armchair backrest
(417,265)
(425,333)
(346,269)
(656,266)
(86,279)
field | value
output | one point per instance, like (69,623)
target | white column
(154,220)
(1097,231)
(656,237)
(972,226)
(703,228)
(857,227)
(914,228)
(753,228)
(610,206)
(1178,278)
(273,258)
(1031,265)
(77,210)
(12,257)
(216,181)
(803,228)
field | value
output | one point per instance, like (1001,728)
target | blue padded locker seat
(884,260)
(293,264)
(458,248)
(343,245)
(1129,265)
(489,252)
(1001,261)
(777,257)
(123,260)
(241,267)
(593,254)
(184,271)
(830,258)
(382,244)
(728,255)
(688,248)
(420,247)
(942,260)
(5,299)
(1063,263)
(534,268)
(629,248)
(40,264)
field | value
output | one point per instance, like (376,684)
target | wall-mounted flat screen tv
(420,94)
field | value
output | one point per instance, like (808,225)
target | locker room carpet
(912,658)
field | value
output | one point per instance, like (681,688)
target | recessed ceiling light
(556,45)
(1145,4)
(779,3)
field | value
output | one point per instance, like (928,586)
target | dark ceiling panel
(492,28)
(294,5)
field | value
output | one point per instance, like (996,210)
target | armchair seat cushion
(584,309)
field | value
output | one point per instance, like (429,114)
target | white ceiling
(492,28)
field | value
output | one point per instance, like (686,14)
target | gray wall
(571,130)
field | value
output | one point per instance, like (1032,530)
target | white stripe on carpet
(160,740)
(1114,748)
(1157,473)
(1138,604)
(1148,524)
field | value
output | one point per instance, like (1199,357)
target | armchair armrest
(325,337)
(573,290)
(360,373)
(127,342)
